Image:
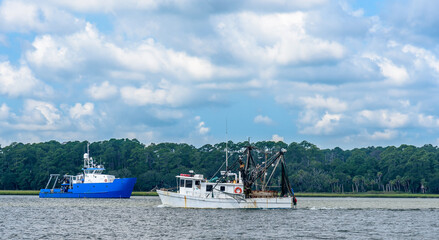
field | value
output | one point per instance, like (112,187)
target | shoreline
(335,195)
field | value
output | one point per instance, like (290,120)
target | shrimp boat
(90,184)
(233,190)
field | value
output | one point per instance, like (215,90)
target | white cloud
(393,74)
(25,16)
(428,121)
(21,82)
(331,104)
(387,134)
(422,54)
(383,118)
(38,115)
(84,49)
(274,38)
(263,119)
(19,15)
(50,53)
(277,138)
(80,110)
(166,94)
(103,91)
(201,128)
(153,57)
(4,111)
(291,93)
(325,125)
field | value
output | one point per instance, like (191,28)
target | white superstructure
(196,192)
(92,173)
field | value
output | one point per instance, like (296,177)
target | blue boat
(90,184)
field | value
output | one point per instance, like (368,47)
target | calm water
(28,217)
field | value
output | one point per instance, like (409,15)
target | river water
(28,217)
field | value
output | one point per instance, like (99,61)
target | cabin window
(197,182)
(223,188)
(189,183)
(181,182)
(209,188)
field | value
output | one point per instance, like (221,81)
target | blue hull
(119,188)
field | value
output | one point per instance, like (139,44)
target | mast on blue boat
(227,150)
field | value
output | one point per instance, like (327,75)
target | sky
(344,73)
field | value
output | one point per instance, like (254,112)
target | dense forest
(399,169)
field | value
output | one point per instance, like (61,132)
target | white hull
(173,199)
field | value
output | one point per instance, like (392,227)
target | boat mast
(227,150)
(86,158)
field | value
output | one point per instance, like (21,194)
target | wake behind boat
(233,190)
(90,184)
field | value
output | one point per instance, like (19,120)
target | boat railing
(54,183)
(67,181)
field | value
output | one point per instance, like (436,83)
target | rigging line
(219,180)
(217,171)
(272,173)
(286,177)
(233,165)
(235,196)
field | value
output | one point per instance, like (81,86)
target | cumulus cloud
(4,111)
(21,82)
(263,119)
(279,38)
(325,125)
(166,94)
(88,47)
(387,134)
(25,16)
(38,115)
(397,75)
(428,121)
(103,91)
(201,126)
(277,138)
(319,102)
(423,55)
(383,118)
(80,110)
(202,129)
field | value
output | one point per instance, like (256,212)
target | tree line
(405,168)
